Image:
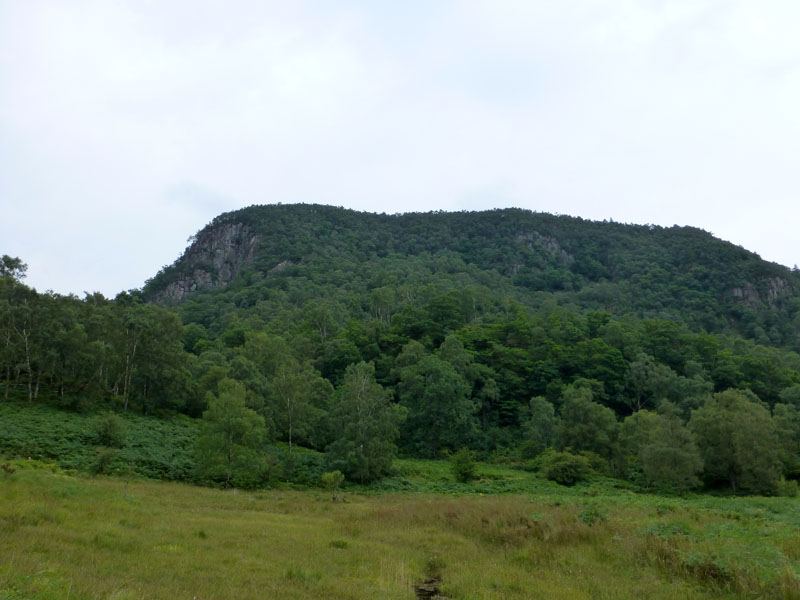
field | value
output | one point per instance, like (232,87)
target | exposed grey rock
(535,240)
(281,266)
(214,259)
(774,289)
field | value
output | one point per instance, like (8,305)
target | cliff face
(215,258)
(774,289)
(534,241)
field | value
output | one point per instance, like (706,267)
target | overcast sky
(126,126)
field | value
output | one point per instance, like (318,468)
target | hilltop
(682,274)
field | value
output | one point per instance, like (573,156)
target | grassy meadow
(63,536)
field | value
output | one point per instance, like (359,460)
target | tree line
(555,388)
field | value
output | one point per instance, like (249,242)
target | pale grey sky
(125,126)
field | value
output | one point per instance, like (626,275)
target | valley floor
(79,538)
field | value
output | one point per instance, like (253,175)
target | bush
(103,459)
(301,466)
(787,488)
(529,449)
(332,480)
(110,430)
(592,514)
(597,464)
(462,465)
(564,468)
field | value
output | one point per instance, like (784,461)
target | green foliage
(679,273)
(786,418)
(441,415)
(84,351)
(332,480)
(12,267)
(463,466)
(103,460)
(738,441)
(791,395)
(564,468)
(110,430)
(592,514)
(291,392)
(788,489)
(154,448)
(228,449)
(506,332)
(365,425)
(649,383)
(540,428)
(586,425)
(662,449)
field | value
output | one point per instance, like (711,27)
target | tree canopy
(663,353)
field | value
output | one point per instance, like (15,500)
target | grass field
(71,537)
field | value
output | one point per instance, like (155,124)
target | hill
(664,357)
(681,274)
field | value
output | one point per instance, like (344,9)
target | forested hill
(282,256)
(631,350)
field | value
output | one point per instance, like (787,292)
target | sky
(126,126)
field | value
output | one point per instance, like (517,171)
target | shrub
(103,459)
(529,449)
(787,488)
(564,468)
(332,480)
(592,514)
(110,430)
(300,466)
(462,465)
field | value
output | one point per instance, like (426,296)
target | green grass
(154,448)
(70,537)
(508,534)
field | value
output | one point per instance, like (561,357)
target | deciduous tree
(365,424)
(229,449)
(738,442)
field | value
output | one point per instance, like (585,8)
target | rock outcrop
(534,240)
(215,258)
(773,289)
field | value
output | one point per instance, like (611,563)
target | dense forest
(662,356)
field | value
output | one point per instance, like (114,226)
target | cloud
(196,198)
(126,126)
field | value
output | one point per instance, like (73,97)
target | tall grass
(68,537)
(507,534)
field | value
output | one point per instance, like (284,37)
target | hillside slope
(520,336)
(680,273)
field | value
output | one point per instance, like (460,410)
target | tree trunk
(129,361)
(25,338)
(230,461)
